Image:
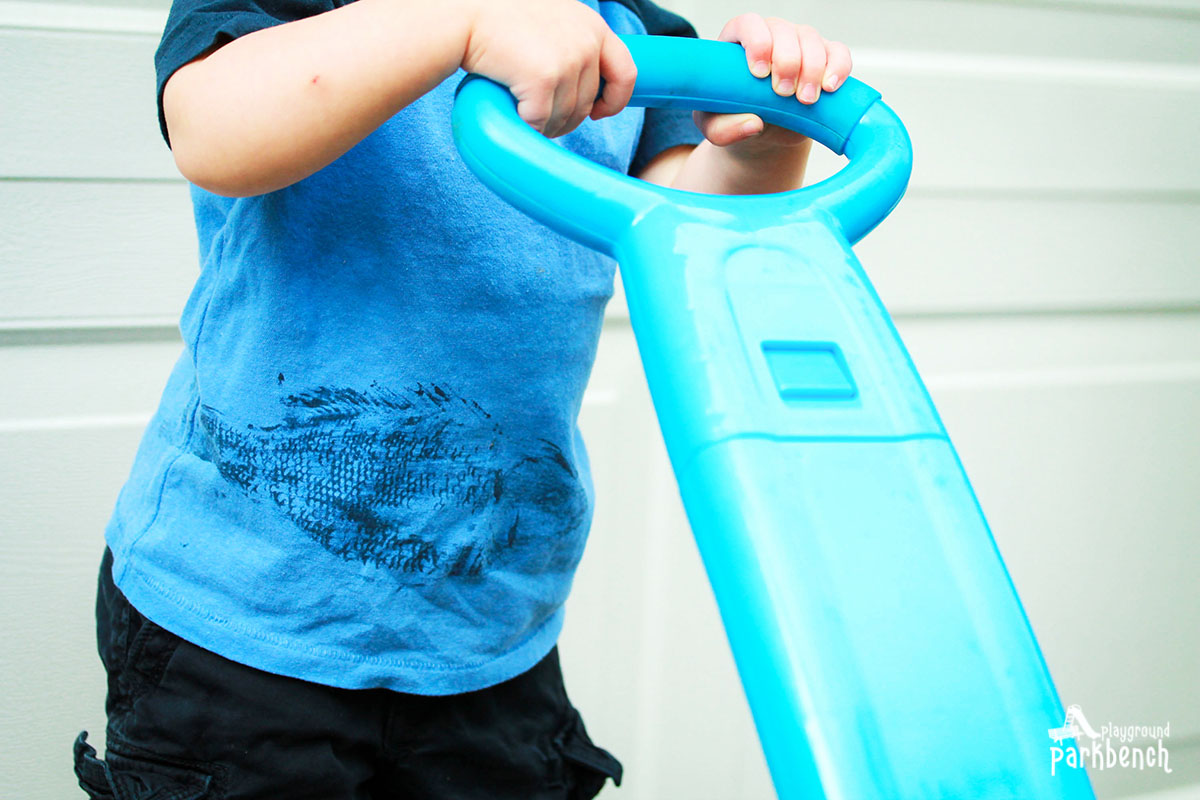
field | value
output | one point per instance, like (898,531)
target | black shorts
(186,724)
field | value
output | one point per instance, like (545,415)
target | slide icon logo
(1073,726)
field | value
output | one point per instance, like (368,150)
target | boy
(346,540)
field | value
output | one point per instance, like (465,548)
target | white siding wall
(1043,270)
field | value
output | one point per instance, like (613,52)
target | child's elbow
(201,151)
(204,168)
(199,158)
(207,159)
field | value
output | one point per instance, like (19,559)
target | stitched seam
(292,645)
(219,247)
(220,244)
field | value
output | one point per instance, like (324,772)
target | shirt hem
(280,655)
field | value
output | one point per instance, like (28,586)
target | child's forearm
(719,170)
(711,169)
(275,106)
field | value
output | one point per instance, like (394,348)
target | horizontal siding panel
(995,130)
(95,251)
(83,105)
(1168,9)
(126,16)
(159,6)
(960,349)
(51,385)
(974,252)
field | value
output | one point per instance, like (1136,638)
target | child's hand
(551,54)
(801,64)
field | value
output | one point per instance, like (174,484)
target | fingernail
(809,93)
(786,87)
(750,127)
(831,82)
(761,69)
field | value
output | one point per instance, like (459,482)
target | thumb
(726,129)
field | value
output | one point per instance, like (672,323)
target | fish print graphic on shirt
(417,481)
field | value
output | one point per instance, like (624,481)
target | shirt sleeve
(194,26)
(663,128)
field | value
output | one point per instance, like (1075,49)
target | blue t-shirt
(365,469)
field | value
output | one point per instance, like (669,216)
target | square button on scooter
(809,371)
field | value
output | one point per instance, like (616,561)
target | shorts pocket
(149,652)
(134,650)
(588,766)
(126,776)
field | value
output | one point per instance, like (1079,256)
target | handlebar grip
(597,206)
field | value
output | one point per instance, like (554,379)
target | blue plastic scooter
(878,636)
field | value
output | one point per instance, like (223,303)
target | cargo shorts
(187,724)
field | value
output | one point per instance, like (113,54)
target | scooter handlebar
(596,205)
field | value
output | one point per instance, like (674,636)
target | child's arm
(741,155)
(274,106)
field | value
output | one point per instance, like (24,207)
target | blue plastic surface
(878,636)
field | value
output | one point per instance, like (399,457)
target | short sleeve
(194,26)
(664,128)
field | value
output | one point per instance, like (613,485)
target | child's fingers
(534,106)
(585,96)
(754,35)
(547,97)
(812,70)
(786,57)
(619,73)
(726,129)
(837,65)
(566,92)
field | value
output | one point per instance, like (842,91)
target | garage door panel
(95,252)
